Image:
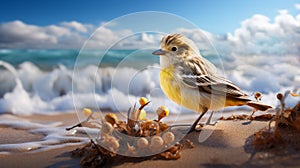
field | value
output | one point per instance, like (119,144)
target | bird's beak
(159,52)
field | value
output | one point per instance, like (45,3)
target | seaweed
(133,138)
(285,131)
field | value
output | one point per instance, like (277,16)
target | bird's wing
(213,85)
(195,76)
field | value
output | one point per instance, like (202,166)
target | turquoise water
(49,59)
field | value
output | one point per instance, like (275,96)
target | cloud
(77,26)
(17,34)
(141,41)
(257,35)
(71,35)
(297,6)
(105,37)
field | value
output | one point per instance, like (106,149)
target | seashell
(142,143)
(156,142)
(168,137)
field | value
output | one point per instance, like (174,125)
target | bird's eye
(174,48)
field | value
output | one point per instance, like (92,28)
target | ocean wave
(62,89)
(27,88)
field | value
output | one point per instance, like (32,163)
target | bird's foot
(196,128)
(209,121)
(199,126)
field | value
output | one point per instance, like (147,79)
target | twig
(81,123)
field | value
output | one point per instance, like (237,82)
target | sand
(225,147)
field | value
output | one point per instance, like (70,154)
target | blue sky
(242,26)
(215,16)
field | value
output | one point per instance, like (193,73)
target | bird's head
(177,46)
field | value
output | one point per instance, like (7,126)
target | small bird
(191,81)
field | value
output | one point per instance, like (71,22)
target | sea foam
(27,88)
(35,91)
(54,135)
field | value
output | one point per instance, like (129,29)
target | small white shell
(156,142)
(168,137)
(142,143)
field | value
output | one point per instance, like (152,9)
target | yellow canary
(191,81)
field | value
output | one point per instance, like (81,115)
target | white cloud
(55,30)
(283,11)
(17,34)
(258,35)
(77,26)
(105,37)
(147,38)
(297,6)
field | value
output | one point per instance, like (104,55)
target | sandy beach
(95,83)
(224,148)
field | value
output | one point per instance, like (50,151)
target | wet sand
(225,147)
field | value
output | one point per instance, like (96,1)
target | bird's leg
(208,122)
(198,119)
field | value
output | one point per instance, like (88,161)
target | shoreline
(224,147)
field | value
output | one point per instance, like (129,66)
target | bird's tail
(258,105)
